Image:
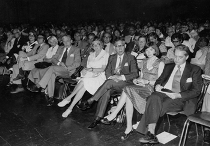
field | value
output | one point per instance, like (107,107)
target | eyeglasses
(175,41)
(119,46)
(106,37)
(40,37)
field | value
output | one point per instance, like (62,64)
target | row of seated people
(104,74)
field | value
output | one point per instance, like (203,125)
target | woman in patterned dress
(135,95)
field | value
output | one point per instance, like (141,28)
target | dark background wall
(21,11)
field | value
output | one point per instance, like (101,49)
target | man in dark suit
(20,40)
(120,71)
(177,89)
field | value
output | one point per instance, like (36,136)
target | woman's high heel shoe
(66,113)
(125,136)
(63,103)
(107,122)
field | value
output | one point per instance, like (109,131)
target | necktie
(131,40)
(77,44)
(37,50)
(176,81)
(117,71)
(104,47)
(65,56)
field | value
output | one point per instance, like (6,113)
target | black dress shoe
(149,138)
(33,88)
(125,136)
(94,124)
(85,105)
(49,100)
(19,76)
(107,122)
(17,90)
(206,138)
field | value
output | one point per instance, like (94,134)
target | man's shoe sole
(17,92)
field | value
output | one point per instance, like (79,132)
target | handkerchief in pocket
(189,80)
(72,55)
(126,64)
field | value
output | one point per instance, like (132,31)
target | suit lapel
(185,74)
(167,73)
(125,59)
(71,50)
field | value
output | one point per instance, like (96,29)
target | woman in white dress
(92,77)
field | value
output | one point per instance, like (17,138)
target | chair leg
(196,127)
(186,132)
(169,124)
(202,129)
(183,132)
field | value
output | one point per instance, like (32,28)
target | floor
(26,121)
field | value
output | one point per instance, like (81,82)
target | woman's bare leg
(120,104)
(77,89)
(129,115)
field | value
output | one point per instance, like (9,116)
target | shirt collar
(118,56)
(182,66)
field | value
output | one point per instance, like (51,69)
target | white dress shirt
(118,60)
(168,85)
(117,64)
(63,54)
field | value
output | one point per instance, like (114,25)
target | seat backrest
(206,82)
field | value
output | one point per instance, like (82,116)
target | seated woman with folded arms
(135,95)
(37,73)
(92,77)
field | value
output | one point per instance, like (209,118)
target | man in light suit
(66,60)
(177,89)
(120,71)
(108,46)
(26,62)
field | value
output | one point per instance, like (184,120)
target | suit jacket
(35,55)
(73,58)
(190,90)
(128,68)
(18,44)
(128,38)
(82,45)
(129,47)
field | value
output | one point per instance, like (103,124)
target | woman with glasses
(92,77)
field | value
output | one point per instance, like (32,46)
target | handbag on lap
(42,65)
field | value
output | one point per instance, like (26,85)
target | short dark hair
(183,48)
(177,36)
(203,39)
(120,39)
(186,37)
(108,34)
(155,47)
(154,35)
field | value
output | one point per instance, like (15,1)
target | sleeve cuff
(123,77)
(28,58)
